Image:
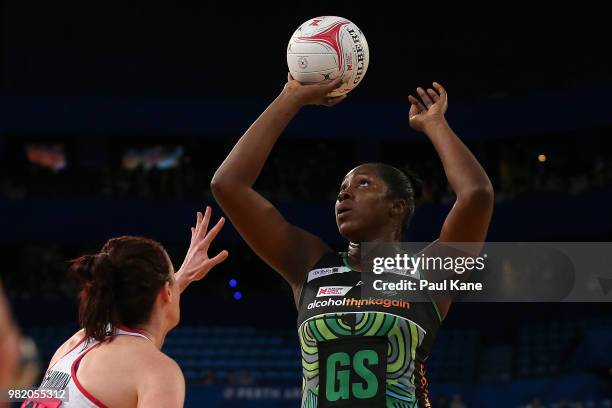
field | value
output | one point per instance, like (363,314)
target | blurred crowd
(38,270)
(563,403)
(443,402)
(456,401)
(298,170)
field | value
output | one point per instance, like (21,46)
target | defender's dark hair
(118,285)
(401,184)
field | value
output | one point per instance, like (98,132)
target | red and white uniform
(63,376)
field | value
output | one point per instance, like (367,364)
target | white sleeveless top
(63,376)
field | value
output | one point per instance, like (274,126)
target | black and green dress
(362,348)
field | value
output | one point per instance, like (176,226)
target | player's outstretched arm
(468,220)
(286,248)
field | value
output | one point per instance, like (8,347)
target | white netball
(324,48)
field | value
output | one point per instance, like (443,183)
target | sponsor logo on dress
(333,290)
(318,273)
(359,303)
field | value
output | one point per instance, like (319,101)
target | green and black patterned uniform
(362,348)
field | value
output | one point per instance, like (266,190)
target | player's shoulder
(156,361)
(76,338)
(68,346)
(168,365)
(157,366)
(161,382)
(171,367)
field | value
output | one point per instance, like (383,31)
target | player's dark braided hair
(402,183)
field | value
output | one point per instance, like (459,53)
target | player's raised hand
(429,108)
(313,94)
(197,264)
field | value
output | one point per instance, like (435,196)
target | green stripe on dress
(397,365)
(334,325)
(378,321)
(414,339)
(324,330)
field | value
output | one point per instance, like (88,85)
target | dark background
(90,85)
(222,48)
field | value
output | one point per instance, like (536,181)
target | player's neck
(359,253)
(155,331)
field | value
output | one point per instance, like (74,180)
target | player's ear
(166,292)
(398,207)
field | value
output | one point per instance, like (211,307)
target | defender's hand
(197,264)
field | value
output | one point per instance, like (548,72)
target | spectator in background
(535,403)
(208,378)
(441,402)
(9,345)
(50,157)
(244,378)
(30,364)
(457,402)
(230,379)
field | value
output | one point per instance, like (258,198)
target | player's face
(362,207)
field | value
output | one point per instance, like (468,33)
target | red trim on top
(127,329)
(73,373)
(75,346)
(68,352)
